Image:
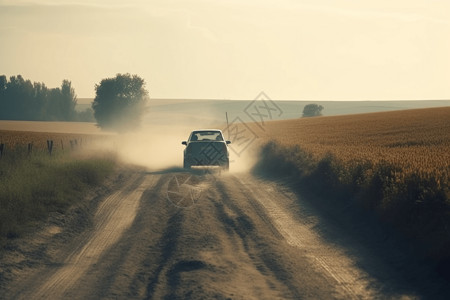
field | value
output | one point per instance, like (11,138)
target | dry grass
(34,184)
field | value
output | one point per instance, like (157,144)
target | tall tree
(120,102)
(68,101)
(3,99)
(19,96)
(3,82)
(22,100)
(41,98)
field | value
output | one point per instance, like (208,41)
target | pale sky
(230,49)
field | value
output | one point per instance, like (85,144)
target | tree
(119,102)
(86,115)
(3,83)
(22,100)
(68,101)
(312,110)
(19,95)
(3,99)
(61,103)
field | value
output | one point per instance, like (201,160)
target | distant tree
(312,110)
(19,96)
(86,115)
(52,107)
(3,83)
(22,100)
(61,102)
(68,101)
(41,93)
(119,102)
(3,99)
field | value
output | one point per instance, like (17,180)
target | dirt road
(200,235)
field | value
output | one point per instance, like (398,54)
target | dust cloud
(157,145)
(154,148)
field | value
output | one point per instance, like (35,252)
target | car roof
(199,130)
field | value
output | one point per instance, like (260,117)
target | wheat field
(393,164)
(17,135)
(414,140)
(19,140)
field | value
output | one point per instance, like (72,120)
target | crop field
(19,140)
(417,141)
(395,165)
(55,127)
(20,135)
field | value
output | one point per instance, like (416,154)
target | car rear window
(206,136)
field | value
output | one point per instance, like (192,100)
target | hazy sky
(229,49)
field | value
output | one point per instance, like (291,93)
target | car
(206,147)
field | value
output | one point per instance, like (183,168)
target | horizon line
(320,100)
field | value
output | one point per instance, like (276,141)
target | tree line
(119,103)
(21,99)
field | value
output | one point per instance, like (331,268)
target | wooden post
(2,148)
(50,146)
(30,148)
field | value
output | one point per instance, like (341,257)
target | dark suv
(206,147)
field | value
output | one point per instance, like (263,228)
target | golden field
(53,127)
(414,140)
(15,139)
(18,134)
(395,165)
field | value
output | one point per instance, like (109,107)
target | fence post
(2,148)
(30,148)
(50,146)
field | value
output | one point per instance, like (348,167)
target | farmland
(415,140)
(17,141)
(393,164)
(307,226)
(35,181)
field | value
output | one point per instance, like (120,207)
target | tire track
(169,242)
(247,224)
(113,217)
(215,250)
(350,281)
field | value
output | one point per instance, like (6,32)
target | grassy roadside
(32,186)
(416,205)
